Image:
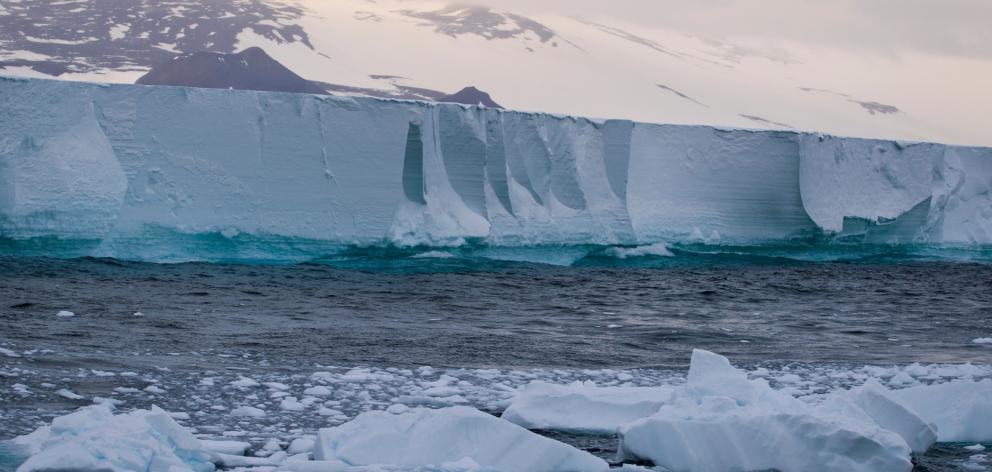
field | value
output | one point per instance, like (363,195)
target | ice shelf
(113,163)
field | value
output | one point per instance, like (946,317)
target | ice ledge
(107,162)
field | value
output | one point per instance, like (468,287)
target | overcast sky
(960,28)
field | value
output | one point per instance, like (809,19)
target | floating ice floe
(583,407)
(8,352)
(245,382)
(873,402)
(93,438)
(722,421)
(961,409)
(69,394)
(420,437)
(248,411)
(65,314)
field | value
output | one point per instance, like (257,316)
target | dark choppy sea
(374,318)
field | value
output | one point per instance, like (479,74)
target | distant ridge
(254,69)
(470,96)
(251,69)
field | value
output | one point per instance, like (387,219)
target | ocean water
(493,319)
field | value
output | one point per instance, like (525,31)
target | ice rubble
(758,427)
(722,418)
(723,421)
(453,438)
(134,166)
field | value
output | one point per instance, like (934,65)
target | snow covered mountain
(250,69)
(569,62)
(253,69)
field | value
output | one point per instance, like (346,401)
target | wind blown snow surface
(136,172)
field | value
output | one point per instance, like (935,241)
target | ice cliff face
(105,163)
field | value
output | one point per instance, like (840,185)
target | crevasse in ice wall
(105,162)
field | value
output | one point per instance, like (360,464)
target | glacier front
(131,170)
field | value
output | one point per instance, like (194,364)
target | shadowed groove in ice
(566,150)
(464,153)
(616,154)
(413,165)
(527,156)
(496,159)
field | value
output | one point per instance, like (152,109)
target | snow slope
(575,60)
(143,165)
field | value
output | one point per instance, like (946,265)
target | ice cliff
(110,163)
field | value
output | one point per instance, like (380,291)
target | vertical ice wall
(962,202)
(131,162)
(715,185)
(896,192)
(64,174)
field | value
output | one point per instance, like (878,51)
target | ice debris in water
(65,314)
(656,249)
(8,352)
(69,394)
(433,255)
(248,411)
(819,417)
(982,340)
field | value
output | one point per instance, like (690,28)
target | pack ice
(136,166)
(719,419)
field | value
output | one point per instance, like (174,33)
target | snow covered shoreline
(135,169)
(899,410)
